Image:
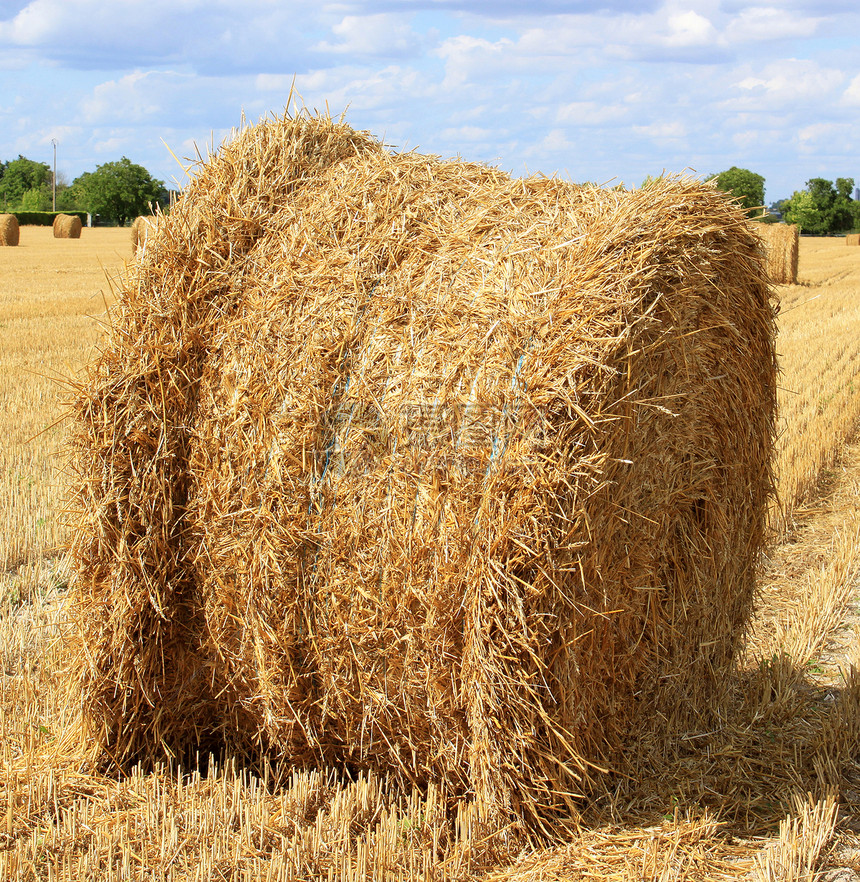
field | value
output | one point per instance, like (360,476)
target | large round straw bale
(852,239)
(782,248)
(67,226)
(140,229)
(9,230)
(402,464)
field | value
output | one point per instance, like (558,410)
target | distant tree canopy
(118,190)
(23,177)
(37,199)
(802,210)
(823,207)
(746,186)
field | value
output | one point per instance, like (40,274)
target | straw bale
(401,464)
(9,230)
(67,226)
(782,247)
(140,229)
(852,239)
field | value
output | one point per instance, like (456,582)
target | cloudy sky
(592,90)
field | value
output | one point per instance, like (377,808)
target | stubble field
(774,793)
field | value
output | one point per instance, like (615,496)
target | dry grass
(811,579)
(53,295)
(819,390)
(723,807)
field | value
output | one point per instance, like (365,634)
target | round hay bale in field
(852,239)
(400,464)
(67,226)
(9,230)
(782,249)
(140,229)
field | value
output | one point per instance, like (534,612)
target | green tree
(68,199)
(36,199)
(844,207)
(19,176)
(824,195)
(845,187)
(802,210)
(117,190)
(746,186)
(835,210)
(855,215)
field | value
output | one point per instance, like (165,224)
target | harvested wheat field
(768,789)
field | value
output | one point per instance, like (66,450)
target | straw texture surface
(400,464)
(9,230)
(852,239)
(67,226)
(781,242)
(140,229)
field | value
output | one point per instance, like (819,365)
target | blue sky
(592,91)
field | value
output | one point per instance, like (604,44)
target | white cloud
(764,23)
(591,113)
(363,88)
(812,137)
(206,35)
(46,23)
(556,141)
(382,34)
(113,145)
(33,24)
(468,58)
(161,99)
(565,36)
(629,89)
(662,131)
(694,31)
(131,98)
(788,83)
(851,95)
(265,82)
(468,133)
(641,32)
(687,29)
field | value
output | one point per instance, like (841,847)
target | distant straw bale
(852,239)
(782,247)
(67,226)
(9,230)
(400,464)
(140,229)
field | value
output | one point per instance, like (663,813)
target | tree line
(822,207)
(116,191)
